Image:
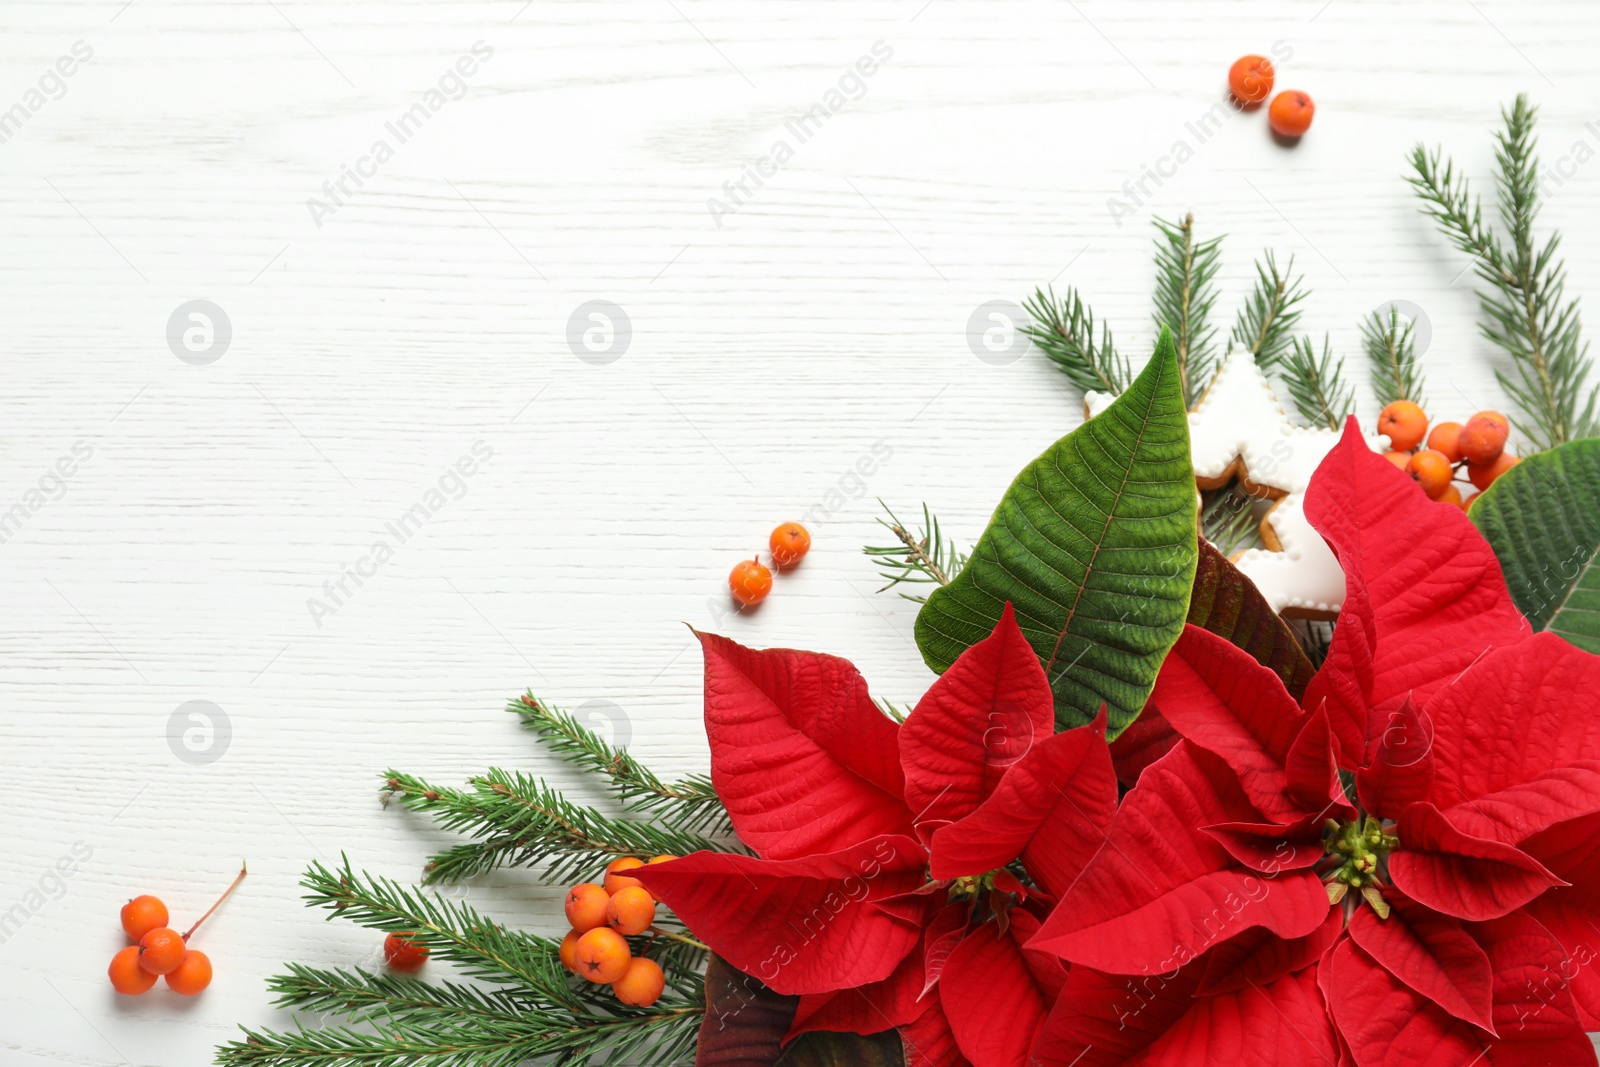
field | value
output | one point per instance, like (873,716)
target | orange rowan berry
(602,955)
(664,857)
(1432,471)
(1399,459)
(1483,475)
(1445,437)
(641,984)
(1451,495)
(193,974)
(1290,113)
(1483,438)
(161,950)
(143,914)
(1404,423)
(615,880)
(404,953)
(1250,79)
(586,906)
(569,950)
(789,543)
(631,910)
(126,975)
(750,582)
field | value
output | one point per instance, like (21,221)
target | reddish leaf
(1270,848)
(802,759)
(1228,604)
(808,925)
(928,1040)
(1461,875)
(1259,956)
(1432,954)
(1280,1023)
(1577,931)
(1402,767)
(978,719)
(944,933)
(990,998)
(1104,1020)
(823,1049)
(1048,971)
(1223,701)
(1424,596)
(744,1023)
(1538,1023)
(1388,1024)
(1519,812)
(1146,740)
(1051,808)
(1161,891)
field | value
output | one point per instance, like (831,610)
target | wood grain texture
(429,312)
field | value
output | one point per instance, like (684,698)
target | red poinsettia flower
(882,892)
(1246,909)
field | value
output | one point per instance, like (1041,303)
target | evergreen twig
(1392,352)
(518,820)
(1524,292)
(1229,521)
(690,805)
(1317,385)
(1064,330)
(1186,272)
(1266,322)
(922,556)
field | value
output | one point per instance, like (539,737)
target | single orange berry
(143,914)
(586,906)
(161,950)
(631,910)
(1399,459)
(602,955)
(1466,505)
(126,975)
(642,983)
(1483,438)
(789,543)
(1404,423)
(569,950)
(1451,495)
(404,953)
(1250,79)
(1483,475)
(664,857)
(1432,471)
(193,974)
(750,582)
(1445,437)
(616,880)
(1290,113)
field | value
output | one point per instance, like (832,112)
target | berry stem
(657,931)
(243,870)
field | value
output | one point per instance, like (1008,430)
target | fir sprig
(1229,521)
(1266,323)
(1064,330)
(1186,272)
(518,820)
(1316,384)
(1392,353)
(690,805)
(921,556)
(1524,295)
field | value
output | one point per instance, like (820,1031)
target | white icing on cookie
(1239,427)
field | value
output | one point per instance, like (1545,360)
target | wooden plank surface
(777,351)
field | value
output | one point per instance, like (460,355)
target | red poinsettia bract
(882,891)
(1247,909)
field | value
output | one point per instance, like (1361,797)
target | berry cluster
(751,580)
(159,950)
(603,917)
(1478,448)
(1250,80)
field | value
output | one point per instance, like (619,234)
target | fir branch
(1392,352)
(1524,297)
(690,805)
(1064,330)
(1317,384)
(923,556)
(411,1023)
(1265,326)
(1186,272)
(1229,521)
(518,820)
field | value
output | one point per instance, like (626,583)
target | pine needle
(1266,323)
(1317,385)
(1229,521)
(1186,272)
(922,556)
(1392,352)
(1064,330)
(1523,297)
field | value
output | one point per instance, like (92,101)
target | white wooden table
(379,338)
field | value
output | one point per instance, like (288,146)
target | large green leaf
(1094,545)
(1543,519)
(1229,605)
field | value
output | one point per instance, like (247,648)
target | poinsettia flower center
(1358,858)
